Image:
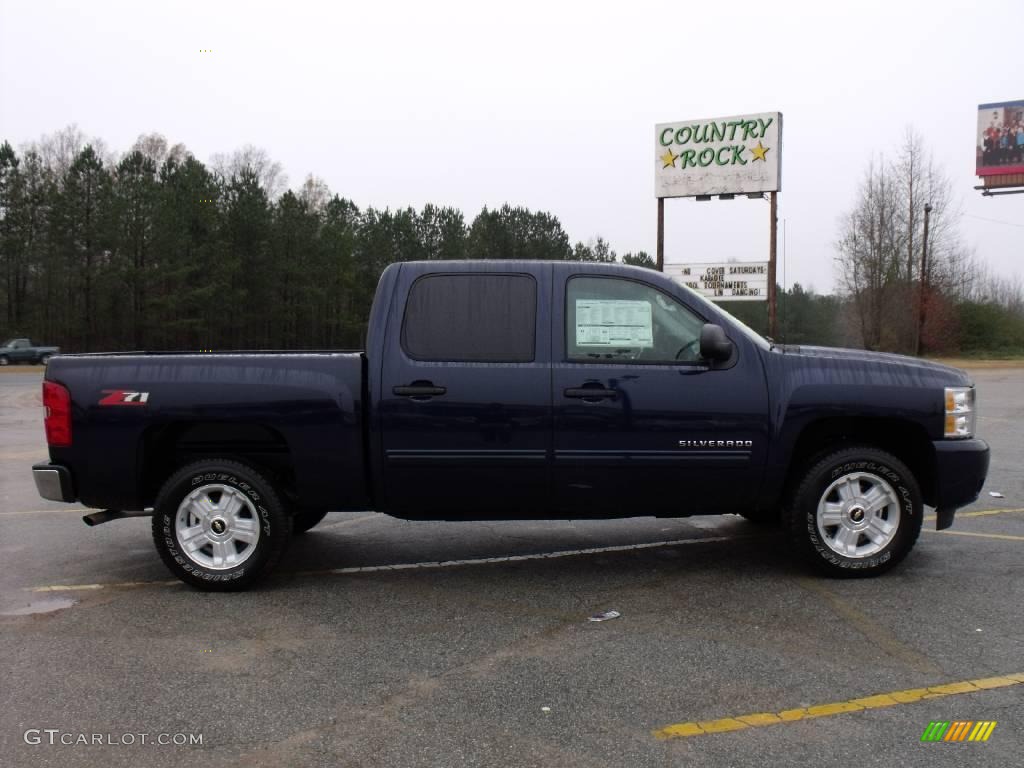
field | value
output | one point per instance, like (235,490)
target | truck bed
(301,412)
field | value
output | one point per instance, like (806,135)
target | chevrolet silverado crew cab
(511,390)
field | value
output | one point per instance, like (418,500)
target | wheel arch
(166,448)
(905,439)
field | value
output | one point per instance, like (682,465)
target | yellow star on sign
(669,159)
(759,152)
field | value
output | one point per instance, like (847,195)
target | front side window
(471,318)
(610,319)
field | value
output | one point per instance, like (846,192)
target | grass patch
(980,362)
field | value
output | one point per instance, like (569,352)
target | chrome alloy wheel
(858,515)
(217,527)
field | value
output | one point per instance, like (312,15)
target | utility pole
(923,281)
(773,237)
(660,253)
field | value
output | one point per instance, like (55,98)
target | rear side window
(471,318)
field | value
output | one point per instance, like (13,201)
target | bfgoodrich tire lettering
(255,492)
(864,468)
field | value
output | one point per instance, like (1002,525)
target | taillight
(57,403)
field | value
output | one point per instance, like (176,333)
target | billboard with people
(1000,139)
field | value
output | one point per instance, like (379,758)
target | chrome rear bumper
(53,482)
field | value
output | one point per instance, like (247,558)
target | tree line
(154,249)
(908,280)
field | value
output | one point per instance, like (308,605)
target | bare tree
(870,251)
(58,150)
(269,172)
(989,287)
(152,146)
(315,193)
(880,242)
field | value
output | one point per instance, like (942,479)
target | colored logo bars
(958,730)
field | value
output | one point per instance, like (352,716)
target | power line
(995,221)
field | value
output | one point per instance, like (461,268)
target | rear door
(643,425)
(465,401)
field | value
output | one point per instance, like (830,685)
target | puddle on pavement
(45,605)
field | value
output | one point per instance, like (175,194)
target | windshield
(9,343)
(750,333)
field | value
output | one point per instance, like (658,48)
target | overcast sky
(551,105)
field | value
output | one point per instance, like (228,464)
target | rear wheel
(305,519)
(45,359)
(856,512)
(219,525)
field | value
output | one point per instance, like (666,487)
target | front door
(465,401)
(643,425)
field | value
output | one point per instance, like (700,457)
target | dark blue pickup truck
(498,390)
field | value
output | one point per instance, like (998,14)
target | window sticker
(613,323)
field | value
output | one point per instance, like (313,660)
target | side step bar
(98,518)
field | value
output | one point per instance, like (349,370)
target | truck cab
(575,391)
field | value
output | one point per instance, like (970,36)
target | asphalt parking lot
(340,659)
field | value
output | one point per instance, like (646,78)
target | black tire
(305,519)
(801,512)
(273,524)
(45,359)
(4,360)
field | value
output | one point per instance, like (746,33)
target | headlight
(960,412)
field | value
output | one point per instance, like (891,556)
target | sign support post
(660,256)
(772,297)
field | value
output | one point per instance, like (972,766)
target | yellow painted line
(1003,536)
(66,587)
(879,635)
(44,511)
(877,701)
(84,587)
(981,513)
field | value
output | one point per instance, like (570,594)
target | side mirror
(714,344)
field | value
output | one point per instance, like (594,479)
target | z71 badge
(124,397)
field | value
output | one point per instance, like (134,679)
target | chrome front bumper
(53,482)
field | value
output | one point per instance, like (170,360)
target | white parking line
(425,565)
(349,521)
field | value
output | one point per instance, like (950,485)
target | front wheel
(855,512)
(219,525)
(4,360)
